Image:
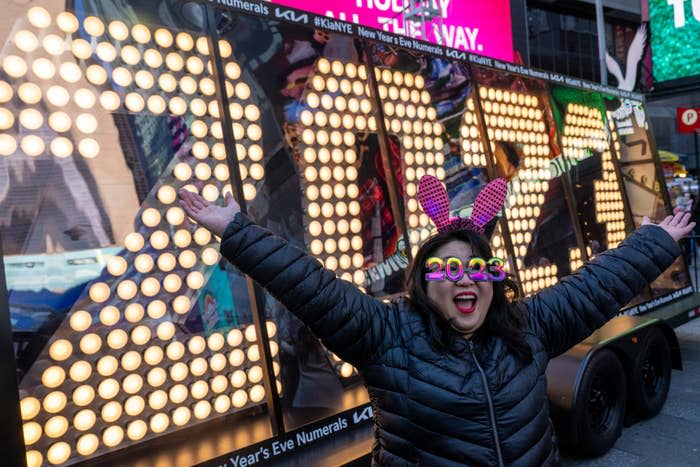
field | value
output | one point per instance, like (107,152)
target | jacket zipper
(492,414)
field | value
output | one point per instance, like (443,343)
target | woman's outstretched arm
(350,323)
(566,313)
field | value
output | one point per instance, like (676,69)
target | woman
(456,373)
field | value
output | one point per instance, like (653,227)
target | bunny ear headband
(432,196)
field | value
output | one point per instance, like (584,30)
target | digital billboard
(478,26)
(674,26)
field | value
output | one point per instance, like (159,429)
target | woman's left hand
(676,226)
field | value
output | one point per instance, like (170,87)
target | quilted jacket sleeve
(350,323)
(566,313)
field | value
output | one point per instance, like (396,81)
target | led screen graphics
(674,24)
(323,188)
(478,26)
(127,323)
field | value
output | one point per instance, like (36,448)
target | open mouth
(465,302)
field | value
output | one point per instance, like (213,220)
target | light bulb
(108,388)
(222,403)
(54,402)
(134,405)
(83,395)
(59,452)
(136,430)
(94,26)
(239,398)
(107,365)
(113,436)
(153,355)
(157,399)
(117,339)
(236,357)
(32,432)
(56,426)
(140,335)
(131,360)
(153,58)
(14,66)
(106,52)
(67,22)
(165,331)
(175,350)
(96,74)
(90,343)
(31,119)
(86,123)
(60,350)
(130,55)
(30,93)
(32,145)
(181,416)
(110,100)
(80,371)
(166,263)
(257,393)
(87,444)
(80,320)
(144,79)
(150,286)
(131,385)
(134,102)
(202,409)
(255,374)
(88,148)
(181,305)
(141,33)
(7,119)
(111,411)
(84,420)
(217,362)
(156,309)
(198,366)
(167,194)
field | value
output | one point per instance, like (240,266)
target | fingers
(186,200)
(646,220)
(666,221)
(193,199)
(680,218)
(229,198)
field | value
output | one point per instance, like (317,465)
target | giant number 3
(119,370)
(584,130)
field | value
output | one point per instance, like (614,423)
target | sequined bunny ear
(432,197)
(489,201)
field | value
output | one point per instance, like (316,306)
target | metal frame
(255,294)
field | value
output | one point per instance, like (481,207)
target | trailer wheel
(600,404)
(650,378)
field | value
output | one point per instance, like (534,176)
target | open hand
(676,226)
(214,218)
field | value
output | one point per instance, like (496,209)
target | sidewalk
(672,438)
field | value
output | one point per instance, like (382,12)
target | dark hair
(504,318)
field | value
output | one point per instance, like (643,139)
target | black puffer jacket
(478,407)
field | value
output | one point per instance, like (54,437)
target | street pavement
(672,438)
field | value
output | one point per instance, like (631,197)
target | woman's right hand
(209,215)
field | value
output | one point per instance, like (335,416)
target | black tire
(650,378)
(599,411)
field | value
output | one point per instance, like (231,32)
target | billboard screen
(673,23)
(474,26)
